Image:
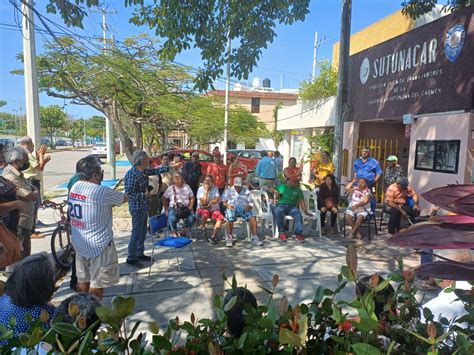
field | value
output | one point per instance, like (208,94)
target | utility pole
(227,94)
(315,53)
(342,87)
(31,76)
(109,128)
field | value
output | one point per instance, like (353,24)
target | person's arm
(156,171)
(364,201)
(42,158)
(258,170)
(7,207)
(378,171)
(166,203)
(192,200)
(303,206)
(274,191)
(203,197)
(350,185)
(415,198)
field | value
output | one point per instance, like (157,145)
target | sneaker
(135,263)
(144,258)
(256,240)
(283,237)
(229,242)
(212,240)
(299,239)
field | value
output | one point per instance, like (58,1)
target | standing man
(18,161)
(218,170)
(393,171)
(34,173)
(136,187)
(278,164)
(367,168)
(290,199)
(90,213)
(191,172)
(266,170)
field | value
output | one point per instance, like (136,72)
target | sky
(288,60)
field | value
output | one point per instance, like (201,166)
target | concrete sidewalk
(301,268)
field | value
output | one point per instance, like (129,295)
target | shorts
(231,215)
(215,215)
(101,271)
(357,214)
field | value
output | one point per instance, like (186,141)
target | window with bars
(255,108)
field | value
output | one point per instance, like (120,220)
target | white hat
(237,181)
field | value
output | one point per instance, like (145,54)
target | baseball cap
(237,181)
(392,158)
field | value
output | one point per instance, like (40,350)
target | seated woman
(328,200)
(292,171)
(208,206)
(358,207)
(178,201)
(28,291)
(397,203)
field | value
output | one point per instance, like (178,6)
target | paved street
(62,166)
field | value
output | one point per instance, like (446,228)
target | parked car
(100,149)
(248,157)
(60,143)
(205,158)
(46,141)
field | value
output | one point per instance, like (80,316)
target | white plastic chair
(262,209)
(311,201)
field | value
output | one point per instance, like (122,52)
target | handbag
(10,247)
(329,203)
(182,211)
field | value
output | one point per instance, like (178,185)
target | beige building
(259,103)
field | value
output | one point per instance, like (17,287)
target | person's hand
(240,173)
(334,210)
(42,149)
(230,207)
(47,158)
(416,207)
(308,214)
(323,209)
(277,194)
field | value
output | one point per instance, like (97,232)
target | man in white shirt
(239,203)
(90,212)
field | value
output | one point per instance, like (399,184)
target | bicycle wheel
(61,247)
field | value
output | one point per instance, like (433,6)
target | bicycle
(61,246)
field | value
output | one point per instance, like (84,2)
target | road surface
(62,166)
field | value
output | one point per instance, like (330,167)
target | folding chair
(368,219)
(158,225)
(262,209)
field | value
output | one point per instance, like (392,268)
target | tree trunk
(127,143)
(138,135)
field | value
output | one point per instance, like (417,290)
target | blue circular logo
(454,42)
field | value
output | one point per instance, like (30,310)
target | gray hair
(15,153)
(86,304)
(87,167)
(138,157)
(26,140)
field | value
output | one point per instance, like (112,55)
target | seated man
(290,197)
(397,203)
(358,206)
(239,203)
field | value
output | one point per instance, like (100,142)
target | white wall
(307,115)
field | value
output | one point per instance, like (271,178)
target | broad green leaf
(67,330)
(347,273)
(286,336)
(229,305)
(364,349)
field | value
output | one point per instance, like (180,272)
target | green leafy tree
(204,25)
(324,85)
(95,127)
(52,120)
(75,129)
(129,84)
(417,8)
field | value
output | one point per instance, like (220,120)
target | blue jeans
(136,244)
(426,258)
(173,219)
(285,210)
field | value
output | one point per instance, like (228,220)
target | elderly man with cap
(393,171)
(401,200)
(137,189)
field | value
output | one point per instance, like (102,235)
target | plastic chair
(262,209)
(368,219)
(157,225)
(173,244)
(311,201)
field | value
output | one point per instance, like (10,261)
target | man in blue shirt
(136,187)
(367,168)
(266,170)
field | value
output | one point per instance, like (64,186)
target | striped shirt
(90,212)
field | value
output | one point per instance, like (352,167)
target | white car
(100,149)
